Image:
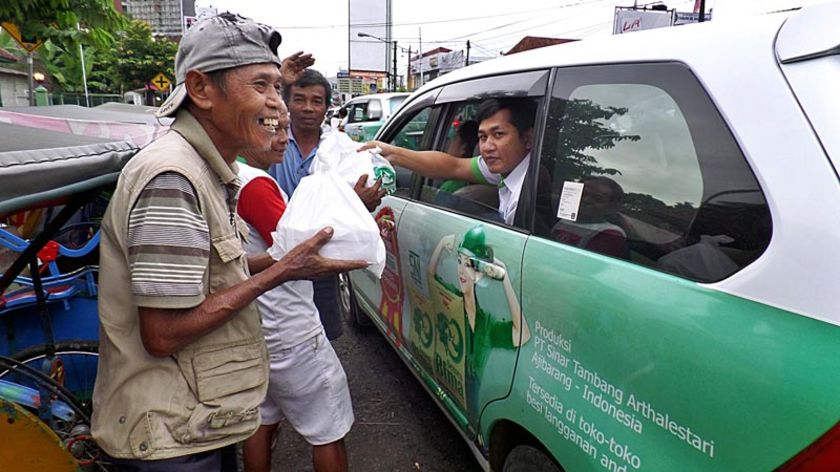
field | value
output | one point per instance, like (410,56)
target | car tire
(347,303)
(526,458)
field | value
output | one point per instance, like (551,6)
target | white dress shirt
(510,186)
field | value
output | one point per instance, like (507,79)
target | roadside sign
(30,44)
(161,81)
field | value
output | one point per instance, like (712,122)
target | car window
(358,112)
(412,135)
(374,110)
(395,103)
(460,138)
(639,165)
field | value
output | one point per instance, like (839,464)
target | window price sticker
(570,201)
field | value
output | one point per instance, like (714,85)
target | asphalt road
(398,427)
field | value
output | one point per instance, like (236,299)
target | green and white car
(367,114)
(706,338)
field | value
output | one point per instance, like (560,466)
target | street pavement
(398,427)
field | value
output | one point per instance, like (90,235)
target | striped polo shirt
(168,239)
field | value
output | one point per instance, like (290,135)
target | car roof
(655,45)
(744,66)
(384,96)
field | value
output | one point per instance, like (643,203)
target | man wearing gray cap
(183,365)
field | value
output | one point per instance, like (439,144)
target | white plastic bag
(342,153)
(324,199)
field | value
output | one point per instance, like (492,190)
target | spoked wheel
(70,387)
(78,373)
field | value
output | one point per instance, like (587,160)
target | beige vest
(208,394)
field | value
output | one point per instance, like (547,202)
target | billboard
(371,17)
(628,19)
(684,18)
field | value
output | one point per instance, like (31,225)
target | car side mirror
(375,115)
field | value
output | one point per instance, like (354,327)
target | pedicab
(53,190)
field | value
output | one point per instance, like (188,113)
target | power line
(578,3)
(594,29)
(426,22)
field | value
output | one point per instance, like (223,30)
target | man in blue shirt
(308,98)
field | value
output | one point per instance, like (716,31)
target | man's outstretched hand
(304,263)
(293,66)
(370,196)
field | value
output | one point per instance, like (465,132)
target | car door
(631,359)
(357,115)
(385,298)
(461,269)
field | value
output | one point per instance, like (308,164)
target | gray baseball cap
(220,42)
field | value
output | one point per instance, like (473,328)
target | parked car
(330,114)
(710,341)
(366,114)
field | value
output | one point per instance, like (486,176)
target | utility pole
(394,83)
(408,81)
(420,55)
(30,61)
(84,73)
(467,61)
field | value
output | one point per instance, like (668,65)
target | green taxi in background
(703,333)
(367,114)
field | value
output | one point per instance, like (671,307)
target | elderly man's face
(502,146)
(265,159)
(247,112)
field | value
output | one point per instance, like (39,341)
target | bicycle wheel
(71,422)
(79,359)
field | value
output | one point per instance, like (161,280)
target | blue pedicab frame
(48,318)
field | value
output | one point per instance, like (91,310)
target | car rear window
(639,165)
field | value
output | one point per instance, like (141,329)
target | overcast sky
(320,26)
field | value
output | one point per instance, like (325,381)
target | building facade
(166,17)
(436,62)
(14,88)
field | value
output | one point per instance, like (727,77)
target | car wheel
(347,301)
(524,458)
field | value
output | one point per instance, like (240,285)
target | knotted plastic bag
(325,199)
(351,164)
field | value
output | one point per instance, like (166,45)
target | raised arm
(293,66)
(432,164)
(520,332)
(446,242)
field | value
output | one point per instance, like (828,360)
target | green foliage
(65,69)
(57,21)
(129,62)
(137,57)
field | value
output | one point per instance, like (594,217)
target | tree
(66,23)
(63,25)
(65,68)
(137,57)
(130,63)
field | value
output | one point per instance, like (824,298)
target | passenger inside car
(464,143)
(505,132)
